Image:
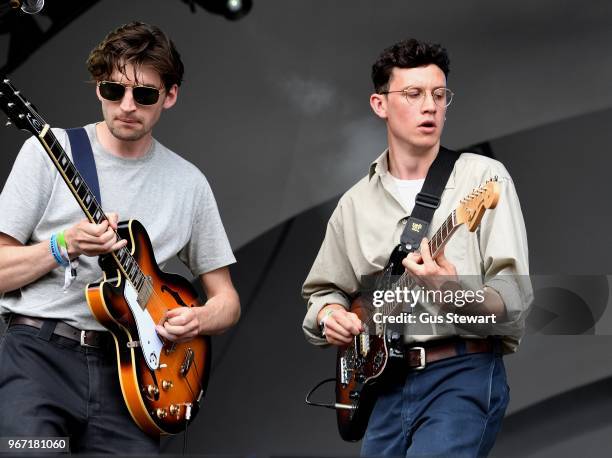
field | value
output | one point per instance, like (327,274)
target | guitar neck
(71,176)
(24,115)
(92,208)
(443,235)
(436,244)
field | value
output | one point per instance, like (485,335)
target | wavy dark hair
(407,54)
(138,44)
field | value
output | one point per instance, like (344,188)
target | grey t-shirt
(166,193)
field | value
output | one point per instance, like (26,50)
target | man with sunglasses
(449,395)
(51,382)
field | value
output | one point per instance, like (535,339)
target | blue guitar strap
(83,158)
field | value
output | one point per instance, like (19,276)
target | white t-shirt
(408,190)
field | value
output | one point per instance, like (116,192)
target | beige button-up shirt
(368,222)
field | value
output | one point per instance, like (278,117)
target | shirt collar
(380,167)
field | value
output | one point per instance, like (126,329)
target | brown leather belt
(95,339)
(418,357)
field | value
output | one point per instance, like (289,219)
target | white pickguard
(150,343)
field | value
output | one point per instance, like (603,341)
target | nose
(127,102)
(428,105)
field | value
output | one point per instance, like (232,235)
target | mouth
(427,126)
(127,120)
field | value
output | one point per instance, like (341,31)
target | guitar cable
(320,404)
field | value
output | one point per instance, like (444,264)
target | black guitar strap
(428,200)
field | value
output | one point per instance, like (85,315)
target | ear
(378,102)
(98,93)
(171,96)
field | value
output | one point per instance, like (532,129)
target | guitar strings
(405,280)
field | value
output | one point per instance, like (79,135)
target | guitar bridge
(343,371)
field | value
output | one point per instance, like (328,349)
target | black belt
(95,339)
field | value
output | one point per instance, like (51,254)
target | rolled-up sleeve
(505,255)
(331,279)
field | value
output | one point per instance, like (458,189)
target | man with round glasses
(52,384)
(450,400)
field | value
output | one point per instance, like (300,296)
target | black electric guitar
(162,382)
(361,365)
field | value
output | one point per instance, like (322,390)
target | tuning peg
(8,123)
(6,80)
(10,104)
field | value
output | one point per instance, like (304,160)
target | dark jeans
(50,386)
(453,407)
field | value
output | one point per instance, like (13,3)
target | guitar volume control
(167,384)
(152,390)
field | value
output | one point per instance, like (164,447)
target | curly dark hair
(138,44)
(407,54)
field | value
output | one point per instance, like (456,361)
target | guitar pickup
(187,362)
(364,342)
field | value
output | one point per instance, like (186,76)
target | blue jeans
(454,407)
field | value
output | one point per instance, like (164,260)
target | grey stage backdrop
(274,111)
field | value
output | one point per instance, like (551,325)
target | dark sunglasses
(143,95)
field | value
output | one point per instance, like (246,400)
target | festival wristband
(61,240)
(56,251)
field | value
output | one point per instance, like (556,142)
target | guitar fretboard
(436,243)
(93,210)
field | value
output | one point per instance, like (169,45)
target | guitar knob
(175,409)
(167,384)
(354,395)
(161,413)
(361,378)
(152,390)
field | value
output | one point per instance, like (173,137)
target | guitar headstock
(21,113)
(471,209)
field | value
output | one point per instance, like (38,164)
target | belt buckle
(422,362)
(83,343)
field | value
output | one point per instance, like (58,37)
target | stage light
(229,9)
(28,6)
